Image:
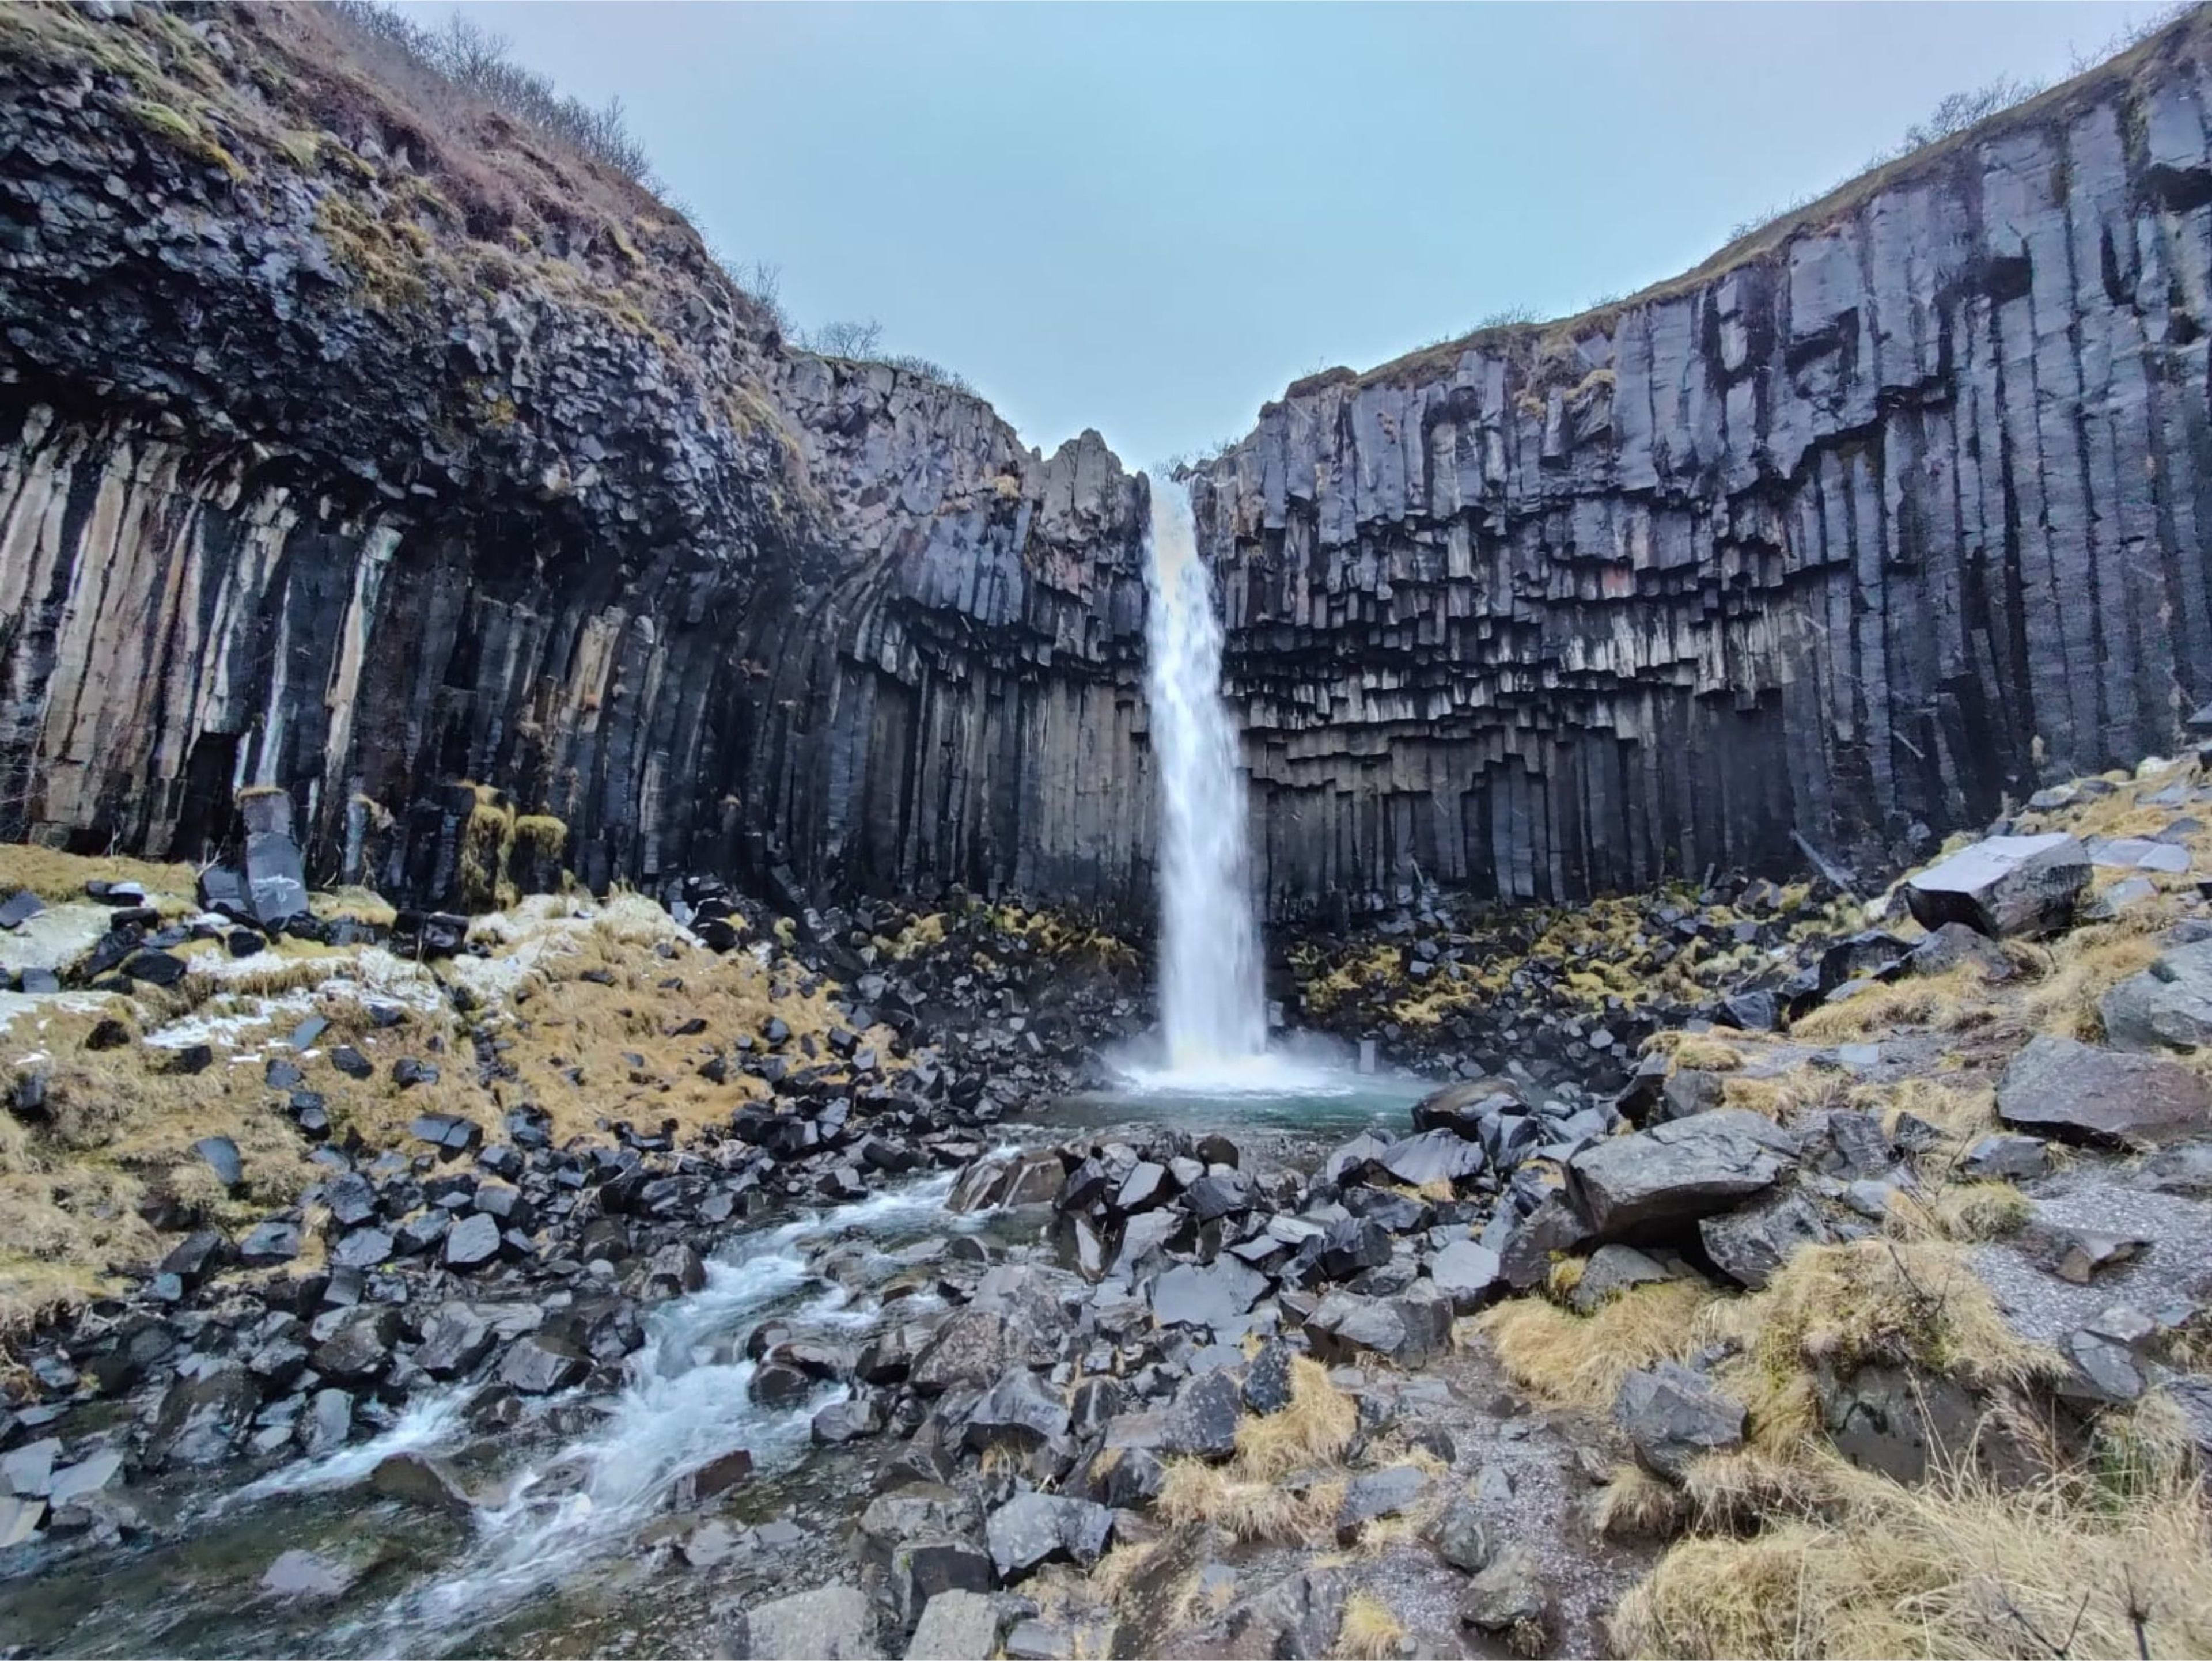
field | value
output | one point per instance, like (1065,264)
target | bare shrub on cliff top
(482,64)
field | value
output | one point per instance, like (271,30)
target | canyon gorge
(665,996)
(375,459)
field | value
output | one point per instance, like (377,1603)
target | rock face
(347,517)
(1828,537)
(324,466)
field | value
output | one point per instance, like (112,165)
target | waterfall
(1212,1012)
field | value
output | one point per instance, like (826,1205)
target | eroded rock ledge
(366,450)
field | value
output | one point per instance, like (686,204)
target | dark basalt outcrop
(362,445)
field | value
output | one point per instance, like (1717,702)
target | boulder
(2006,1159)
(2004,885)
(2078,1092)
(1296,1618)
(1749,1244)
(1216,1295)
(1031,1529)
(1438,1155)
(1464,1536)
(1671,1415)
(1374,1494)
(1657,1181)
(829,1623)
(416,1479)
(929,1566)
(955,1625)
(1510,1600)
(1467,1272)
(1202,1420)
(453,1341)
(203,1419)
(1409,1330)
(1956,945)
(541,1362)
(1016,1412)
(1612,1270)
(711,1479)
(2167,1007)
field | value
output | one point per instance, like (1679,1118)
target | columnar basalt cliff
(1873,520)
(356,441)
(334,458)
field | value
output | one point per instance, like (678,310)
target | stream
(561,1555)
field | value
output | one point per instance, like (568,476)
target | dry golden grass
(1913,1304)
(1788,1095)
(2077,969)
(1959,1211)
(1634,1505)
(1949,1001)
(1960,1111)
(1566,1359)
(1369,1631)
(590,1051)
(1953,1569)
(358,904)
(54,876)
(1247,1497)
(122,1132)
(1700,1051)
(1247,1507)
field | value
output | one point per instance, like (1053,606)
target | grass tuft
(1369,1631)
(1566,1359)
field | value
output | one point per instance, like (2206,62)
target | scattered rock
(829,1623)
(2062,1088)
(1671,1415)
(2004,885)
(1676,1173)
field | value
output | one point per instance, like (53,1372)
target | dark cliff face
(1867,527)
(363,447)
(330,461)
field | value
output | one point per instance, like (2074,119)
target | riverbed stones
(2004,885)
(541,1362)
(203,1419)
(829,1623)
(1660,1180)
(2062,1088)
(710,1479)
(417,1479)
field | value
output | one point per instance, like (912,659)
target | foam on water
(686,1401)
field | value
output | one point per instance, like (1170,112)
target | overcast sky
(1148,219)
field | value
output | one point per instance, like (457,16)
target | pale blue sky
(1148,219)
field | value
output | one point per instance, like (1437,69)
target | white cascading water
(686,1402)
(1213,1015)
